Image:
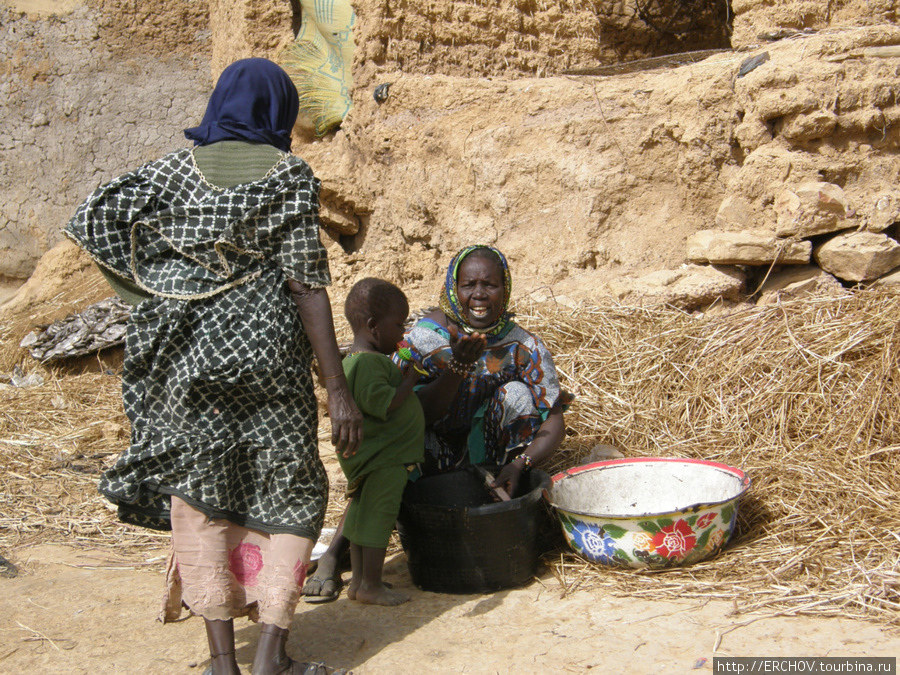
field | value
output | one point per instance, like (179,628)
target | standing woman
(220,244)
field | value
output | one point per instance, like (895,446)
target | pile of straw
(802,396)
(54,441)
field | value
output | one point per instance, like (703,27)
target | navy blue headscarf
(254,100)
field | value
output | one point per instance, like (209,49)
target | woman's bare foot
(375,595)
(323,585)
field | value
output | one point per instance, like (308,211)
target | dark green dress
(216,378)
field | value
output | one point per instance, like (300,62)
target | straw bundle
(800,395)
(54,441)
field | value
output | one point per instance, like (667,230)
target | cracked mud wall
(759,20)
(88,94)
(579,179)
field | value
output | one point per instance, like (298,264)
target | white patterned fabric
(216,379)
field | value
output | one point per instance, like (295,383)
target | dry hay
(800,395)
(54,441)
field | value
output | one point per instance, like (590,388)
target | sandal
(319,668)
(312,668)
(313,594)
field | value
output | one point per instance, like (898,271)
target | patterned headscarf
(254,100)
(449,300)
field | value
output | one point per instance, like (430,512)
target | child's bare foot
(353,585)
(376,595)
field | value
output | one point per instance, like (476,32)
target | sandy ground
(86,612)
(77,612)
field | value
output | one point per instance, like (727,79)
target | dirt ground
(75,612)
(78,612)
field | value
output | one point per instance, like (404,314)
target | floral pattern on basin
(650,543)
(659,541)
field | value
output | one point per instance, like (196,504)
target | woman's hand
(437,396)
(546,441)
(315,313)
(346,421)
(510,476)
(466,349)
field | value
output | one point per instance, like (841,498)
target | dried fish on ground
(99,326)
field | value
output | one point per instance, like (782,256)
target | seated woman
(489,391)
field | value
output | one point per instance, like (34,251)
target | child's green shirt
(388,438)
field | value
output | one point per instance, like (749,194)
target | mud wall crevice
(512,38)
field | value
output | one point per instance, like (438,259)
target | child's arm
(410,377)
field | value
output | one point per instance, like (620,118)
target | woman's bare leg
(272,659)
(220,635)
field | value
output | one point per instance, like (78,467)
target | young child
(393,434)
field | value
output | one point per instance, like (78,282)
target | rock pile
(816,230)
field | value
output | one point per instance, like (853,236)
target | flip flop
(318,598)
(7,569)
(314,668)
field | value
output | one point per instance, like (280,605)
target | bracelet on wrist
(525,458)
(457,367)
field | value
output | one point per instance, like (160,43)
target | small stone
(7,569)
(734,213)
(809,126)
(797,282)
(885,211)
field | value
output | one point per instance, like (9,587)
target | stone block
(746,248)
(690,287)
(858,256)
(812,208)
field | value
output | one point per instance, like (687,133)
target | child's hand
(411,372)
